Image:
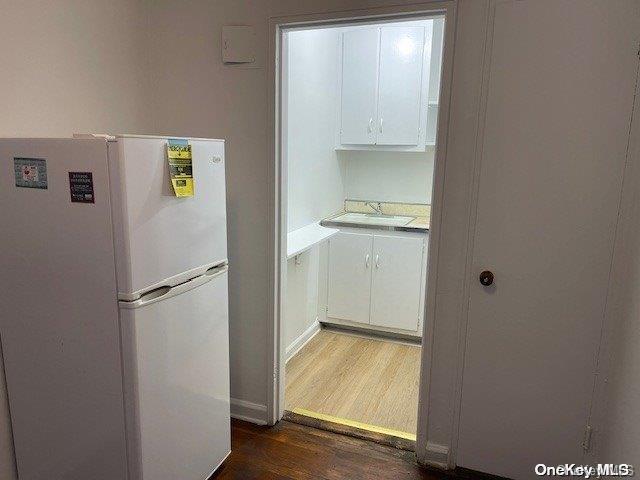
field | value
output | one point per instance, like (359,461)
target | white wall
(315,175)
(72,66)
(196,95)
(301,308)
(68,66)
(388,176)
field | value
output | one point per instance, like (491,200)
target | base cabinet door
(396,281)
(349,292)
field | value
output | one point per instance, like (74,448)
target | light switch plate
(238,44)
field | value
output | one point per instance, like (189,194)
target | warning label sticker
(180,167)
(30,172)
(81,187)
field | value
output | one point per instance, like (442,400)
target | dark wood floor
(292,451)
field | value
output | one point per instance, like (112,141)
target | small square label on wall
(238,44)
(81,187)
(30,172)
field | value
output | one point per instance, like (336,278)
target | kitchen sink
(373,219)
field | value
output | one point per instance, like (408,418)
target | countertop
(418,224)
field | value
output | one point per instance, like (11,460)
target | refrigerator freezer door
(176,357)
(162,239)
(59,315)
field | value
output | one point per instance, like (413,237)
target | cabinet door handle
(366,260)
(377,261)
(370,126)
(381,120)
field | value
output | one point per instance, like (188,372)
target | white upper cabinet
(360,61)
(435,70)
(400,81)
(386,74)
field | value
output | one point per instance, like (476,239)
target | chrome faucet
(377,207)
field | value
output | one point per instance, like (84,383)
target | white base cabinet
(396,281)
(349,284)
(377,279)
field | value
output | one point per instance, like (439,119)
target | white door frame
(278,200)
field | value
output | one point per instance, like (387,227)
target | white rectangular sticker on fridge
(30,172)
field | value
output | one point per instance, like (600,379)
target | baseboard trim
(437,456)
(302,340)
(372,333)
(248,411)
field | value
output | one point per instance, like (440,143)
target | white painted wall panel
(315,173)
(302,295)
(388,176)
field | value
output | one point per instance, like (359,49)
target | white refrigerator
(113,309)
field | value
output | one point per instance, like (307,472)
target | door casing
(278,195)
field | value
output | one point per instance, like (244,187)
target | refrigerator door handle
(165,292)
(216,271)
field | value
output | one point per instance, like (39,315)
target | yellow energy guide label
(180,167)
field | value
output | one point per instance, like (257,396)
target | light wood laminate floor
(361,379)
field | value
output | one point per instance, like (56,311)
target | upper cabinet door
(359,86)
(401,58)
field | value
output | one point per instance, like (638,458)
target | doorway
(358,108)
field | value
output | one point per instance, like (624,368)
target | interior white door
(557,119)
(396,282)
(401,59)
(359,86)
(350,276)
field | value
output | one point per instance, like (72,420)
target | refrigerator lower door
(176,362)
(161,239)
